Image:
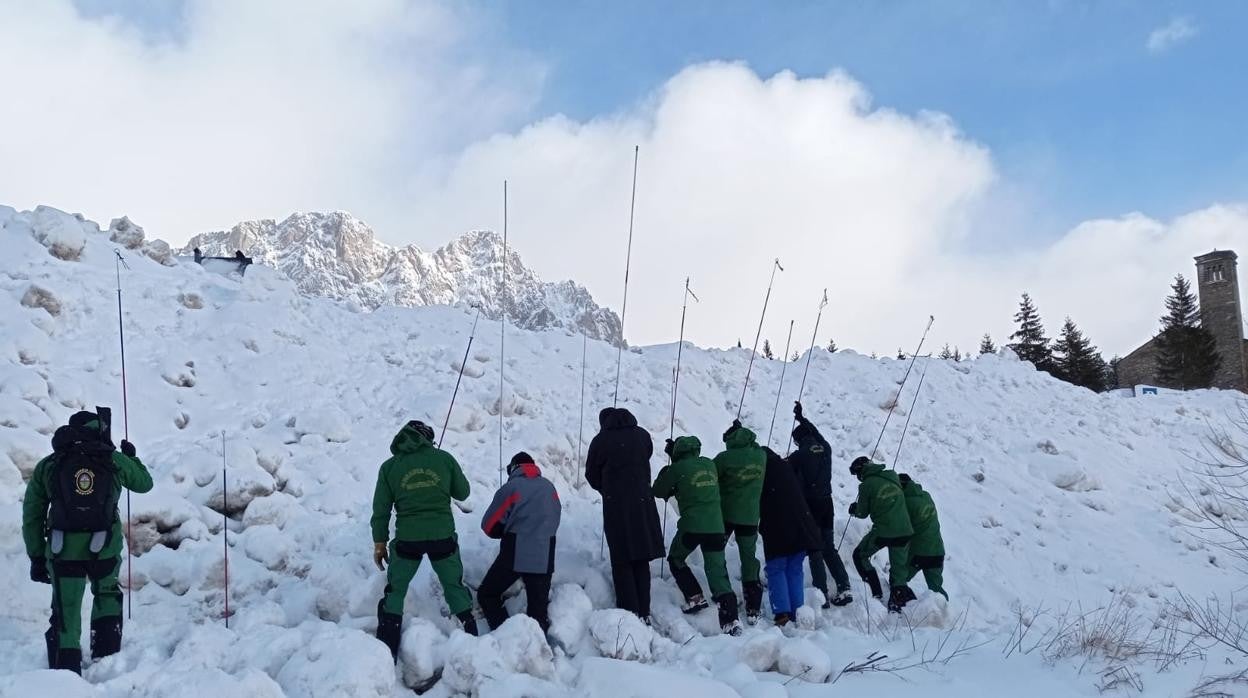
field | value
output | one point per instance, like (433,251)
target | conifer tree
(1077,361)
(1030,342)
(767,350)
(832,345)
(945,353)
(957,354)
(1187,354)
(795,356)
(986,345)
(901,355)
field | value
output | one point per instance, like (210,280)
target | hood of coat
(409,440)
(616,418)
(878,470)
(525,470)
(910,488)
(67,437)
(686,447)
(740,437)
(804,434)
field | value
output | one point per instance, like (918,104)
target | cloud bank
(389,110)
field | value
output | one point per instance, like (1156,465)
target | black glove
(39,570)
(128,448)
(668,445)
(797,410)
(853,508)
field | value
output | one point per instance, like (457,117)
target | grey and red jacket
(525,514)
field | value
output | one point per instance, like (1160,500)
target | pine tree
(1111,373)
(1187,354)
(1077,361)
(957,354)
(945,353)
(1031,344)
(832,345)
(795,356)
(739,344)
(767,350)
(986,345)
(901,355)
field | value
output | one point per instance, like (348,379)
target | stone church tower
(1221,314)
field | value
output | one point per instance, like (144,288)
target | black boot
(686,582)
(898,597)
(728,618)
(389,630)
(753,601)
(469,622)
(69,660)
(873,580)
(105,637)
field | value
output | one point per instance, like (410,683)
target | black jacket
(618,466)
(812,463)
(784,519)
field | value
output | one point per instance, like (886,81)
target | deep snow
(1048,494)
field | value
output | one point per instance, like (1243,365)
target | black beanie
(859,463)
(520,459)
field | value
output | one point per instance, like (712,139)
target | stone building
(1217,282)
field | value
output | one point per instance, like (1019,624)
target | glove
(39,570)
(380,555)
(797,410)
(668,445)
(853,508)
(128,448)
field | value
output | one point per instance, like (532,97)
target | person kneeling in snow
(72,532)
(927,549)
(694,481)
(789,533)
(618,465)
(880,497)
(525,515)
(417,482)
(741,465)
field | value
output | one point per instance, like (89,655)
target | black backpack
(83,496)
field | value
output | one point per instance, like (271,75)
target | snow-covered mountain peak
(335,255)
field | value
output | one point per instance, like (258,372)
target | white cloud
(388,112)
(1177,31)
(260,108)
(872,204)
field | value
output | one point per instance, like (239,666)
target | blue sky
(1066,94)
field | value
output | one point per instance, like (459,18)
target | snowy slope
(334,255)
(1048,494)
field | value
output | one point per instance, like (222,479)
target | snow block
(609,678)
(421,652)
(621,635)
(339,663)
(60,232)
(570,609)
(761,652)
(803,659)
(518,647)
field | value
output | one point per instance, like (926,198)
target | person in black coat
(618,467)
(789,534)
(812,463)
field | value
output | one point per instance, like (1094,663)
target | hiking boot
(695,604)
(783,619)
(734,628)
(842,598)
(898,598)
(752,616)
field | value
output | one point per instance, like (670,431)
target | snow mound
(339,663)
(621,635)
